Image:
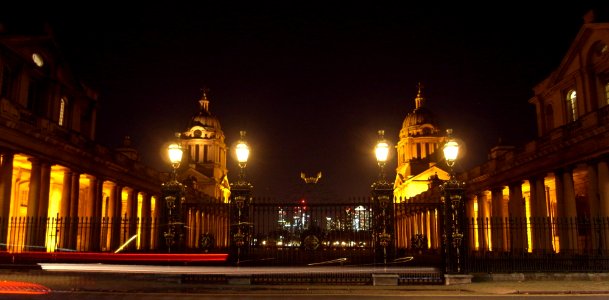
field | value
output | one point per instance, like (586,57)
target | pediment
(429,173)
(578,55)
(198,176)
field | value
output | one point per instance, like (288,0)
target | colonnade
(566,210)
(46,207)
(208,219)
(415,220)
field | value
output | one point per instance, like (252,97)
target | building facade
(204,162)
(552,194)
(417,151)
(420,169)
(59,189)
(204,173)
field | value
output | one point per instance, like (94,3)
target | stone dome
(420,115)
(204,118)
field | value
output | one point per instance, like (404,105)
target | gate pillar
(453,198)
(239,205)
(240,220)
(173,196)
(383,214)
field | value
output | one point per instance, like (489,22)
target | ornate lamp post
(173,195)
(454,210)
(240,199)
(383,210)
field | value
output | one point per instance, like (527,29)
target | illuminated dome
(420,116)
(421,121)
(204,118)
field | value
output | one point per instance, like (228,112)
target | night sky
(313,83)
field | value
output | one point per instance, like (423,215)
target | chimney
(589,17)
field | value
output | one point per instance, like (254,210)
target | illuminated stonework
(554,188)
(205,154)
(420,138)
(52,172)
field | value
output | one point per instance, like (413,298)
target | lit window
(62,110)
(37,59)
(572,105)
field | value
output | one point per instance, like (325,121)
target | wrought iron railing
(499,245)
(78,234)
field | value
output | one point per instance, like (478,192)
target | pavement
(134,282)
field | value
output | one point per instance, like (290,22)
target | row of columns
(71,234)
(207,222)
(510,228)
(425,223)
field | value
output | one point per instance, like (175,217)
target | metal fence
(334,233)
(310,233)
(78,234)
(538,245)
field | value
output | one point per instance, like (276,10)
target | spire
(419,100)
(204,102)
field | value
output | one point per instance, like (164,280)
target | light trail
(231,270)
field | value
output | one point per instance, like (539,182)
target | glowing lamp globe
(175,154)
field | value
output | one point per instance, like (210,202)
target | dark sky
(313,83)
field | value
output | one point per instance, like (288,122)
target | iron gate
(337,233)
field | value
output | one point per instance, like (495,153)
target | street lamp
(175,156)
(454,210)
(451,150)
(382,152)
(382,194)
(242,150)
(240,199)
(173,194)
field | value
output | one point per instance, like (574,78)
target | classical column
(592,188)
(603,191)
(145,222)
(497,220)
(66,192)
(132,216)
(567,211)
(483,221)
(539,216)
(470,215)
(43,207)
(93,214)
(436,235)
(35,190)
(593,200)
(45,187)
(412,226)
(154,228)
(33,220)
(6,179)
(114,214)
(518,220)
(196,229)
(74,217)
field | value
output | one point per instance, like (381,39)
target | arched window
(549,117)
(62,111)
(572,105)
